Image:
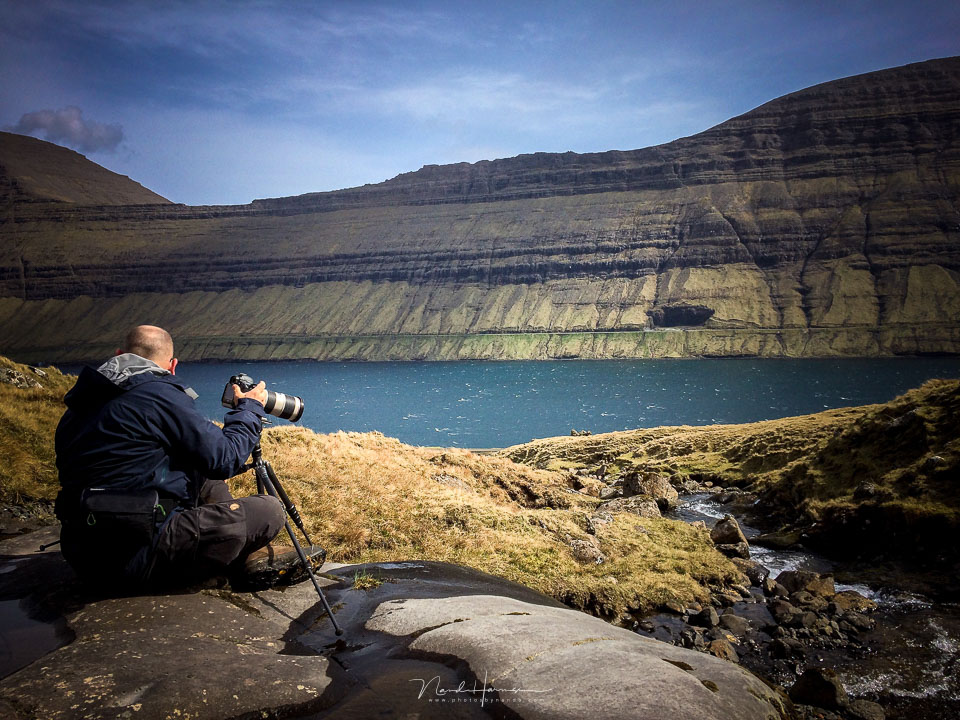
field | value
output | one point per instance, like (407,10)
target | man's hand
(259,393)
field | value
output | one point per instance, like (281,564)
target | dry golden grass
(28,418)
(368,498)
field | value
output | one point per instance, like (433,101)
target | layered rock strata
(822,223)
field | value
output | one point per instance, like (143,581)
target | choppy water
(495,404)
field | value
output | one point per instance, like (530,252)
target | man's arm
(200,445)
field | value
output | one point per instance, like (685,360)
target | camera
(286,407)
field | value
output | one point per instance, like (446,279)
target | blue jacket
(142,431)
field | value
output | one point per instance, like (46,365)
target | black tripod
(269,483)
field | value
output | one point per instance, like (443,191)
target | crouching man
(143,498)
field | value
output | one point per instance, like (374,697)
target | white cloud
(68,127)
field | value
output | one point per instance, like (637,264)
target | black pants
(214,537)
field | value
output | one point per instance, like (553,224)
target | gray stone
(734,623)
(706,618)
(527,651)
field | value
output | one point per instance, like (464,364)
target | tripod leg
(264,472)
(313,578)
(285,499)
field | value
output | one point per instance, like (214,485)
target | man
(142,473)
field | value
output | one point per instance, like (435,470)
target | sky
(222,102)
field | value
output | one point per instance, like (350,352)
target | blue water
(495,404)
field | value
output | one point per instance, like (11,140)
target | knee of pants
(266,514)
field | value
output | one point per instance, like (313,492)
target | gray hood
(121,368)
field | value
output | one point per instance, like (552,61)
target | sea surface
(496,404)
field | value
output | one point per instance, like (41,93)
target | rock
(850,600)
(865,710)
(821,688)
(727,532)
(778,540)
(644,507)
(652,485)
(608,493)
(674,607)
(809,601)
(756,572)
(586,551)
(738,550)
(737,625)
(17,379)
(814,583)
(706,618)
(858,621)
(723,650)
(783,612)
(530,649)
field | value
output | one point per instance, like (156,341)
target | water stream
(911,660)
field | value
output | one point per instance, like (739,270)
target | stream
(909,662)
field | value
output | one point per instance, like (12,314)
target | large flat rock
(429,640)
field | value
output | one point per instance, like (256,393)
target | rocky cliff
(823,223)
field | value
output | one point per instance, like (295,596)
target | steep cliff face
(822,223)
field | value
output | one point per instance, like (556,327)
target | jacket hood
(120,368)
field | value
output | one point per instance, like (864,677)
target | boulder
(727,532)
(821,688)
(652,485)
(528,652)
(814,583)
(706,618)
(756,572)
(737,550)
(850,600)
(642,506)
(586,551)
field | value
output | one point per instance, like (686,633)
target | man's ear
(173,366)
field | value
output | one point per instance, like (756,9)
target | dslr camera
(286,407)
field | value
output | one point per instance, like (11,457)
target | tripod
(268,482)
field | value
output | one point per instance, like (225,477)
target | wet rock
(783,612)
(778,540)
(652,485)
(727,532)
(865,710)
(706,618)
(756,572)
(737,625)
(857,621)
(723,649)
(644,507)
(850,600)
(808,601)
(820,687)
(814,583)
(738,550)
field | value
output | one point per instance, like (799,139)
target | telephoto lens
(285,407)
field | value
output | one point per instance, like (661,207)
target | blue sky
(223,102)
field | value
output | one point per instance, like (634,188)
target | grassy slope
(370,498)
(896,465)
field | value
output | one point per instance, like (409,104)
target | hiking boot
(275,565)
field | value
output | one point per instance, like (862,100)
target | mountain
(823,223)
(32,170)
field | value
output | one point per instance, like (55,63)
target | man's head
(153,343)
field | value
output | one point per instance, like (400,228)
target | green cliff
(823,223)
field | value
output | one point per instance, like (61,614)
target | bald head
(151,342)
